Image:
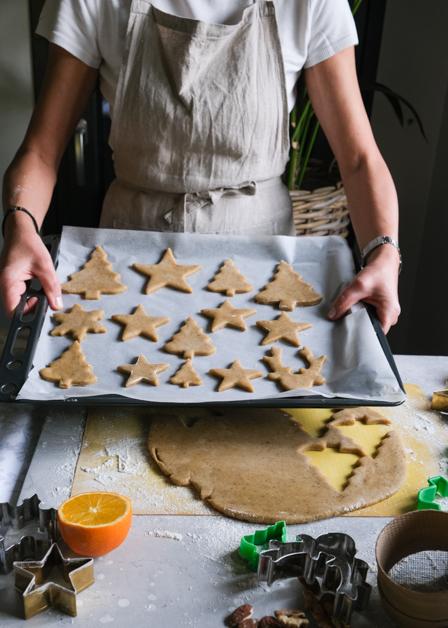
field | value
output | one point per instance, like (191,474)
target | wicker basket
(321,212)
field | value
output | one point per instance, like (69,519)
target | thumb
(51,286)
(350,295)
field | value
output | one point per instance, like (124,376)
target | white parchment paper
(356,366)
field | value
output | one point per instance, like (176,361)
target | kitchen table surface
(171,571)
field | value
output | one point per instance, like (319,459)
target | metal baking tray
(18,353)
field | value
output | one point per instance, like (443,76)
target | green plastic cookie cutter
(427,497)
(252,544)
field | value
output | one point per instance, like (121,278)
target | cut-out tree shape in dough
(363,426)
(70,369)
(288,289)
(304,378)
(229,281)
(334,465)
(186,376)
(189,341)
(77,322)
(95,278)
(167,273)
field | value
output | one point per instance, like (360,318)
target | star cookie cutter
(52,581)
(252,544)
(427,497)
(31,510)
(328,567)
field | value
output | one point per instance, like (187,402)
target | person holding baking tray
(200,92)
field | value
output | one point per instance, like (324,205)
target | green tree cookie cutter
(427,497)
(252,544)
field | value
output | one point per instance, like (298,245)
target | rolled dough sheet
(114,457)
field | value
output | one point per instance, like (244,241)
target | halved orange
(93,524)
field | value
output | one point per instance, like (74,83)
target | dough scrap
(236,377)
(226,315)
(167,273)
(77,322)
(95,278)
(142,371)
(70,369)
(189,341)
(282,328)
(186,376)
(304,378)
(139,323)
(229,281)
(247,463)
(288,289)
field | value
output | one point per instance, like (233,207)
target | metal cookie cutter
(52,581)
(326,564)
(427,497)
(17,517)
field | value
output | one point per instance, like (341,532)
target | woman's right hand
(26,257)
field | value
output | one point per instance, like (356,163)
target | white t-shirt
(94,31)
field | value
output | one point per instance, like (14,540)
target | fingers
(388,315)
(47,276)
(12,292)
(353,293)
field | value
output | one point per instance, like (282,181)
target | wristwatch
(375,243)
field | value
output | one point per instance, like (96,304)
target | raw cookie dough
(189,341)
(304,378)
(226,315)
(142,371)
(139,324)
(251,464)
(236,377)
(77,322)
(288,289)
(186,376)
(282,328)
(95,278)
(71,369)
(167,273)
(229,280)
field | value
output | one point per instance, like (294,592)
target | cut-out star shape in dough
(142,371)
(167,273)
(282,328)
(77,322)
(236,377)
(139,324)
(228,316)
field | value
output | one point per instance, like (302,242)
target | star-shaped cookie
(139,324)
(228,316)
(142,371)
(236,377)
(77,322)
(282,328)
(167,273)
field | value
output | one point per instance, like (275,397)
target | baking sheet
(356,368)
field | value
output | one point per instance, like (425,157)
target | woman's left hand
(377,284)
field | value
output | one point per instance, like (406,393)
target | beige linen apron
(200,126)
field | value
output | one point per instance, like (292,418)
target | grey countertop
(171,571)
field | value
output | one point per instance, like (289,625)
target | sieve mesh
(424,571)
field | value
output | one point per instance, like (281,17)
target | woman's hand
(377,284)
(25,257)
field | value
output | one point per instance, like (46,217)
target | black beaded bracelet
(13,210)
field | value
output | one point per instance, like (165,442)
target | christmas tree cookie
(186,376)
(167,273)
(78,322)
(95,278)
(71,369)
(288,289)
(189,341)
(229,281)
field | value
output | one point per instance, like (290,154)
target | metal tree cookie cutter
(327,565)
(427,497)
(31,510)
